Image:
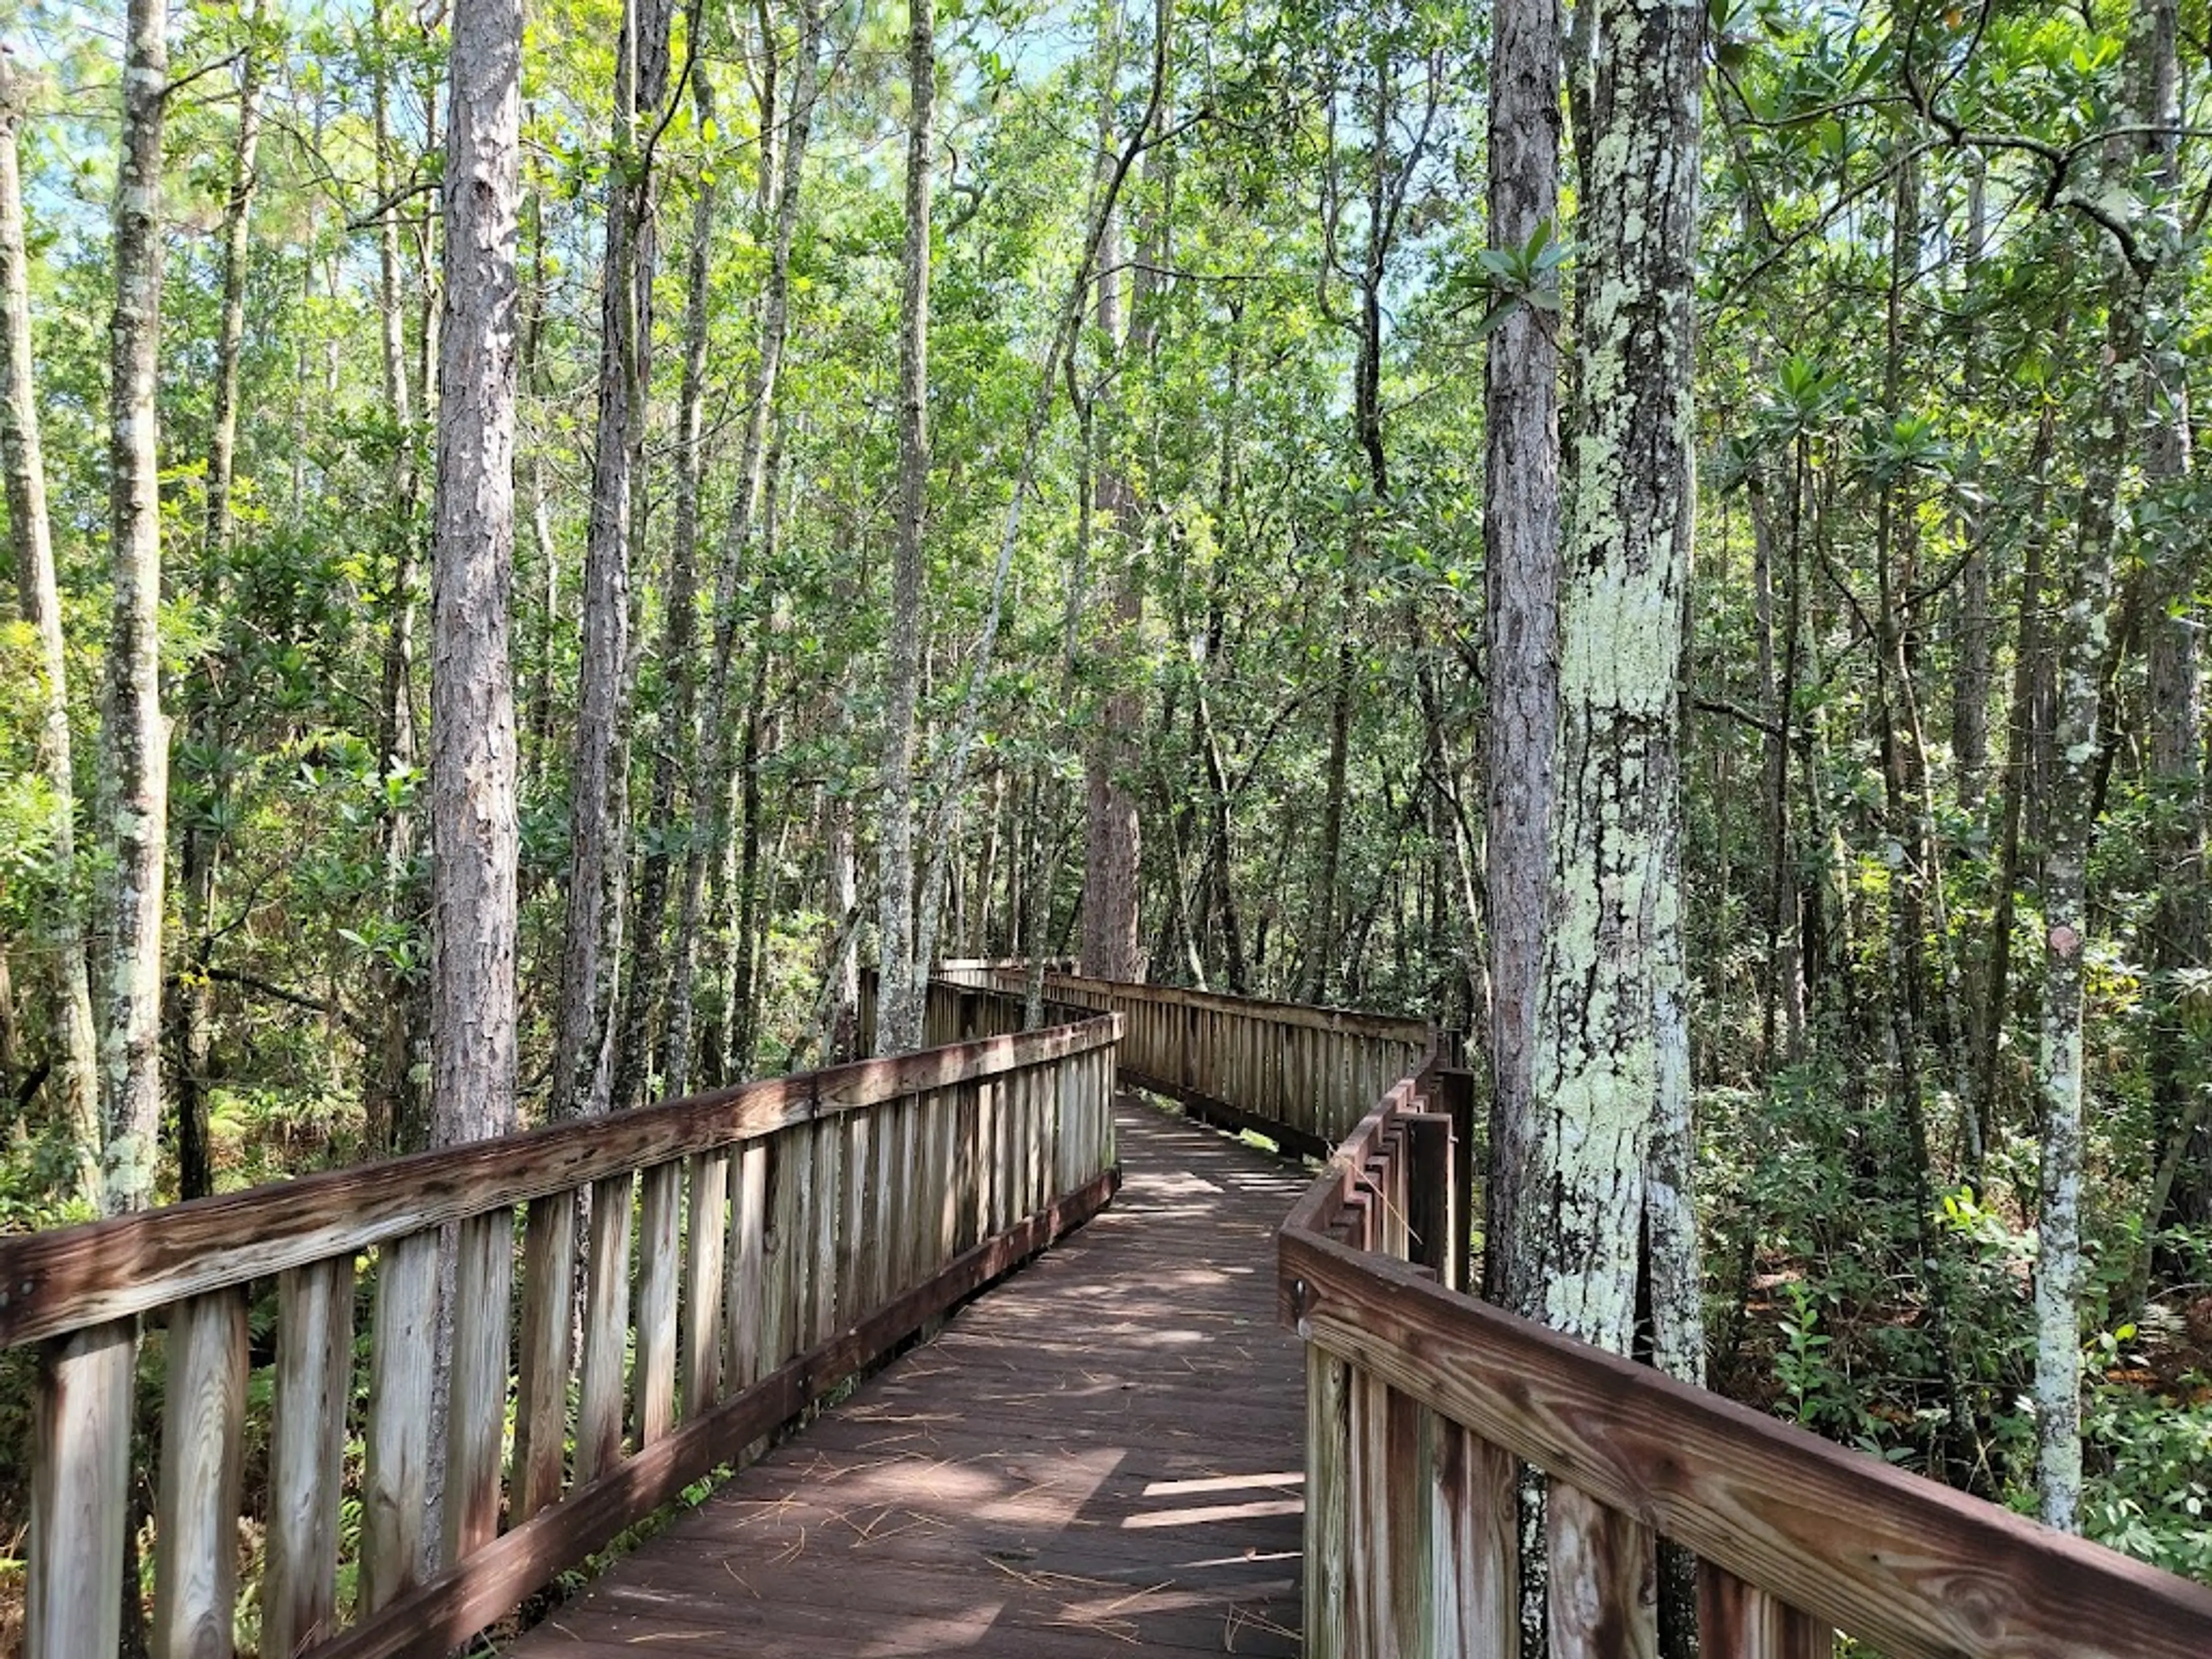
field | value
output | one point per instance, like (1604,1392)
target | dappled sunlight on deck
(1102,1453)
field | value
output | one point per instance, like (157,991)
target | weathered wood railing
(1301,1076)
(782,1235)
(1423,1402)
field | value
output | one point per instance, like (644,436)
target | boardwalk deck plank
(1104,1451)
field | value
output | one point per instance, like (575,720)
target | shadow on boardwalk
(1101,1454)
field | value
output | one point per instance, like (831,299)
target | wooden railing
(1303,1076)
(782,1235)
(1423,1402)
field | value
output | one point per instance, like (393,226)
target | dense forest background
(1200,607)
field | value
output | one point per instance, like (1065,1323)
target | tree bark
(76,1063)
(473,748)
(1521,624)
(599,862)
(134,780)
(901,982)
(1605,1051)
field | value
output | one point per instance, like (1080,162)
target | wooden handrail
(68,1276)
(1416,1387)
(786,1234)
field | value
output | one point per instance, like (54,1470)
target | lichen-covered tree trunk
(134,773)
(77,1074)
(1521,575)
(474,838)
(599,863)
(1610,1155)
(901,985)
(2079,644)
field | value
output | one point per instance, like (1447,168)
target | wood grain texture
(549,1317)
(749,1329)
(69,1276)
(600,1393)
(1737,1622)
(476,1397)
(1328,1516)
(195,1516)
(80,1468)
(1475,1535)
(1910,1566)
(706,1257)
(307,1453)
(652,1382)
(1601,1589)
(395,1481)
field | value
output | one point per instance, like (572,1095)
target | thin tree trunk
(2081,646)
(76,1064)
(1521,626)
(135,792)
(599,863)
(201,851)
(901,985)
(674,739)
(710,781)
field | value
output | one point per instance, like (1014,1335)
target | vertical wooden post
(745,1317)
(548,1308)
(196,1520)
(823,1222)
(1601,1589)
(306,1447)
(395,1483)
(476,1415)
(1475,1535)
(1455,1100)
(1327,1538)
(606,1329)
(1737,1622)
(853,1223)
(1432,1184)
(80,1493)
(660,1216)
(706,1252)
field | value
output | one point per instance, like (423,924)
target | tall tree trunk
(76,1065)
(599,862)
(2079,648)
(2174,569)
(201,851)
(710,781)
(901,979)
(135,780)
(673,738)
(472,754)
(1521,626)
(1970,702)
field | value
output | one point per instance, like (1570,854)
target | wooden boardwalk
(1102,1454)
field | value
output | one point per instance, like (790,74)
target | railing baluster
(606,1329)
(196,1523)
(706,1254)
(476,1419)
(80,1493)
(822,1223)
(855,1171)
(1736,1621)
(1476,1540)
(548,1308)
(745,1317)
(395,1485)
(306,1446)
(1328,1516)
(660,1218)
(1602,1583)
